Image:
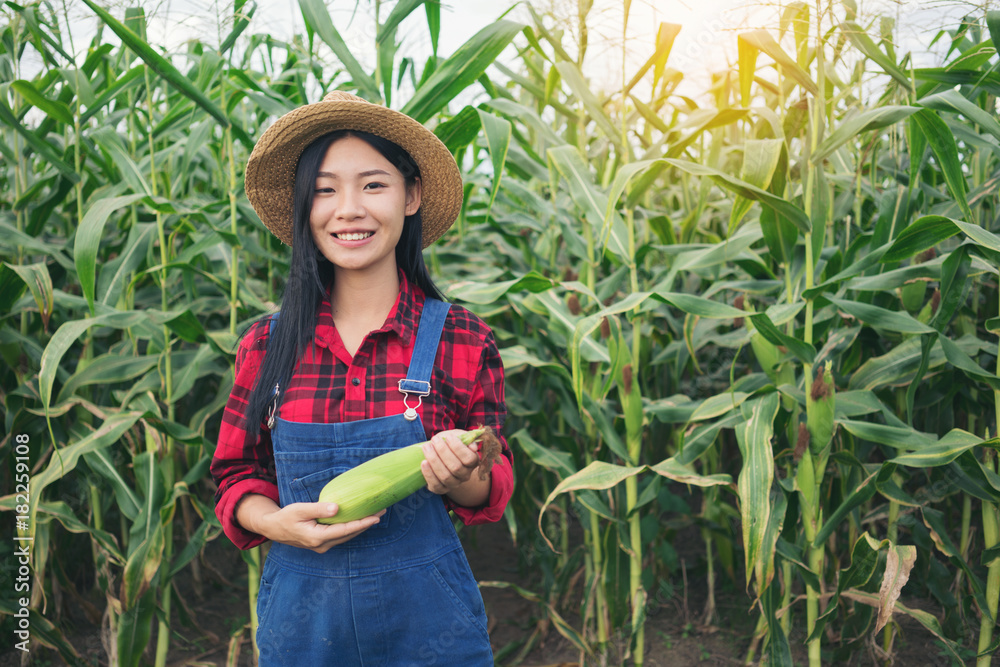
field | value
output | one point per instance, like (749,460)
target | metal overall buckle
(273,408)
(418,388)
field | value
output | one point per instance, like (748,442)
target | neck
(364,297)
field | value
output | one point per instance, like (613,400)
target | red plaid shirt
(329,386)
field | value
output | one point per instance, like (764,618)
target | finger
(458,457)
(434,483)
(466,454)
(434,455)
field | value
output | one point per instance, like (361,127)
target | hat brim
(270,172)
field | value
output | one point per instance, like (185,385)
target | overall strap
(418,375)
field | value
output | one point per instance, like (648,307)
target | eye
(323,191)
(374,186)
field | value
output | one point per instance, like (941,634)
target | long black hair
(310,275)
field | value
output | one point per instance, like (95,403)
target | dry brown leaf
(898,563)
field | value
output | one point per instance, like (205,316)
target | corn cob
(387,479)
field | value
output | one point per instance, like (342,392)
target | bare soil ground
(210,619)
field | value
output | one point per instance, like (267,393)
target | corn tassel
(379,482)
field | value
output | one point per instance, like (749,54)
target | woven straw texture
(270,172)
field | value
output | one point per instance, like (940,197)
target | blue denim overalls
(401,593)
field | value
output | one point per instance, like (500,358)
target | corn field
(778,301)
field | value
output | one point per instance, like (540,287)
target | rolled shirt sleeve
(488,408)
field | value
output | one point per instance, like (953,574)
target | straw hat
(270,172)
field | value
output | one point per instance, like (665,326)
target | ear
(413,197)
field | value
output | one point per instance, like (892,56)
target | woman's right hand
(296,525)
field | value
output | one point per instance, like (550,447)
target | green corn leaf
(993,24)
(553,460)
(141,566)
(113,274)
(749,191)
(109,140)
(63,339)
(683,474)
(239,25)
(596,476)
(925,232)
(487,293)
(762,40)
(926,619)
(574,79)
(747,59)
(855,403)
(61,512)
(864,560)
(760,159)
(64,460)
(497,142)
(188,368)
(958,358)
(896,368)
(756,475)
(38,144)
(52,107)
(603,419)
(969,475)
(159,64)
(881,318)
(954,286)
(39,282)
(205,533)
(953,101)
(857,497)
(764,569)
(766,328)
(589,197)
(623,176)
(317,17)
(702,437)
(867,46)
(461,69)
(516,356)
(43,631)
(870,119)
(102,462)
(107,369)
(400,11)
(899,437)
(697,305)
(718,405)
(432,9)
(940,453)
(942,143)
(460,130)
(88,240)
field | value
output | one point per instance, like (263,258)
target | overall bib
(399,594)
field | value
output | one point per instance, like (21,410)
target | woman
(364,358)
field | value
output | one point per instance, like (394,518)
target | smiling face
(360,202)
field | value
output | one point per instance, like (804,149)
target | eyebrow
(364,174)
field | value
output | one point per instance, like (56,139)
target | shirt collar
(402,319)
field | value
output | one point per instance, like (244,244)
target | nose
(349,206)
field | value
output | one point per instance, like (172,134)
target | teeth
(353,237)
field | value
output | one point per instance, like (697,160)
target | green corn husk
(820,409)
(377,483)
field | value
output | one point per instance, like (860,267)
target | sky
(706,42)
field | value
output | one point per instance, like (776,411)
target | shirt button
(355,381)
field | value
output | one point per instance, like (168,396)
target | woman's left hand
(449,463)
